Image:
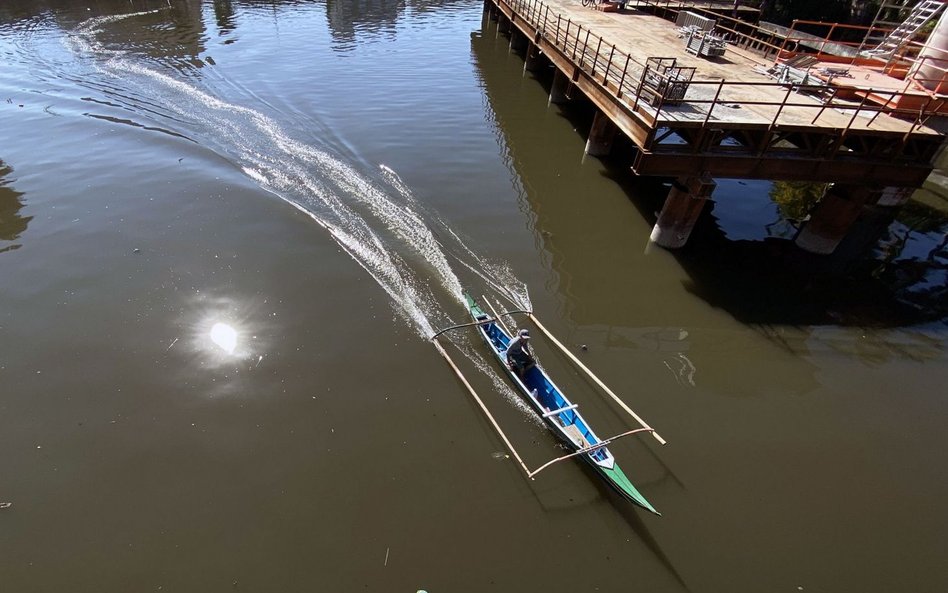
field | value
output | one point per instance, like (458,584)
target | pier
(742,111)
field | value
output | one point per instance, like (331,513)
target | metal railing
(739,33)
(622,76)
(613,68)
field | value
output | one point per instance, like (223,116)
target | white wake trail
(381,226)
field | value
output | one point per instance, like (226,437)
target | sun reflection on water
(224,336)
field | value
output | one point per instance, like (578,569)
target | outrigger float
(560,414)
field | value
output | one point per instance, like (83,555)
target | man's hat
(524,333)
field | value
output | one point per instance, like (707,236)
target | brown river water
(227,230)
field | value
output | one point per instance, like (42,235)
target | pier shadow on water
(12,223)
(889,271)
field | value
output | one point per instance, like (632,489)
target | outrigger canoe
(560,414)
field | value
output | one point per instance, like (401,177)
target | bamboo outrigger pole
(595,378)
(457,371)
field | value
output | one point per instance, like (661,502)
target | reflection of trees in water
(224,14)
(796,198)
(907,255)
(374,17)
(12,225)
(349,18)
(175,31)
(913,258)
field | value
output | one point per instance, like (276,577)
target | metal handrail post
(596,57)
(881,108)
(786,98)
(582,59)
(933,112)
(628,57)
(785,39)
(605,77)
(823,107)
(713,103)
(845,132)
(917,122)
(661,103)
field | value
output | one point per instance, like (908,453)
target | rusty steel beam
(783,167)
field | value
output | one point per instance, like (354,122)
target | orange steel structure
(843,129)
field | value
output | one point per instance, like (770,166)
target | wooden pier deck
(733,120)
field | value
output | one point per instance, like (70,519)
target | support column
(834,214)
(894,197)
(558,89)
(682,207)
(518,40)
(531,60)
(503,23)
(601,135)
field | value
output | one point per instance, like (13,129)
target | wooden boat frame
(557,411)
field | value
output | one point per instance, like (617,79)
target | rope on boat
(480,402)
(588,449)
(596,379)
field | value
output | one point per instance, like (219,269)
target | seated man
(519,356)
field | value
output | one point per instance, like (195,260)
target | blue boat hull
(544,396)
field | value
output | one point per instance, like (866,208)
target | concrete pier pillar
(531,60)
(518,41)
(682,207)
(894,197)
(834,214)
(558,90)
(601,135)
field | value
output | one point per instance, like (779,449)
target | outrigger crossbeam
(588,449)
(481,322)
